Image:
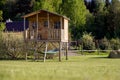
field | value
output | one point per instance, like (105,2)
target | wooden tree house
(45,26)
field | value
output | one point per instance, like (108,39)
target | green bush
(87,40)
(115,44)
(2,26)
(104,44)
(3,47)
(11,47)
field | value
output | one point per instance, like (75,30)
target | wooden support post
(37,25)
(24,30)
(25,37)
(48,21)
(82,48)
(26,56)
(60,46)
(46,43)
(66,50)
(25,42)
(61,34)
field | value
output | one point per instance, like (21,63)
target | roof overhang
(37,12)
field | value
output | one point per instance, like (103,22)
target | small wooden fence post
(46,45)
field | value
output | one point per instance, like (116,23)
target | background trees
(2,25)
(77,12)
(115,15)
(100,17)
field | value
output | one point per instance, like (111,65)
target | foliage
(87,40)
(112,19)
(11,47)
(2,26)
(2,3)
(1,13)
(76,11)
(50,5)
(99,25)
(3,47)
(103,21)
(9,9)
(104,44)
(115,9)
(13,8)
(115,44)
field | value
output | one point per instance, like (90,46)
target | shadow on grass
(100,57)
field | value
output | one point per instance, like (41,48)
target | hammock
(54,51)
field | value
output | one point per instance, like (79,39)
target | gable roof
(39,11)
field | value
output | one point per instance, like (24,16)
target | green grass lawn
(76,68)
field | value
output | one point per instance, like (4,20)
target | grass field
(76,68)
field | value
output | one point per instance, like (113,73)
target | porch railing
(54,34)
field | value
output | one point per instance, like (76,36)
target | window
(57,25)
(45,23)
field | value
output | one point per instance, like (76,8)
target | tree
(23,7)
(43,4)
(9,9)
(76,11)
(115,7)
(2,25)
(2,3)
(14,9)
(1,15)
(99,24)
(51,5)
(113,19)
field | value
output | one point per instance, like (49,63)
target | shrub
(2,26)
(11,47)
(115,44)
(3,47)
(104,44)
(88,43)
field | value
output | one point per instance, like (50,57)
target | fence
(102,45)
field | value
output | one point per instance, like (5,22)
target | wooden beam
(48,18)
(53,44)
(61,29)
(45,51)
(41,44)
(26,51)
(25,36)
(37,25)
(48,25)
(66,50)
(24,30)
(60,48)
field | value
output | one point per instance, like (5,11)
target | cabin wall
(65,31)
(48,31)
(32,28)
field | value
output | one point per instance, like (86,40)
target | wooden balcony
(51,34)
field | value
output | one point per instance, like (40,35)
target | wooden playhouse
(45,26)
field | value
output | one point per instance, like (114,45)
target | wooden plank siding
(42,26)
